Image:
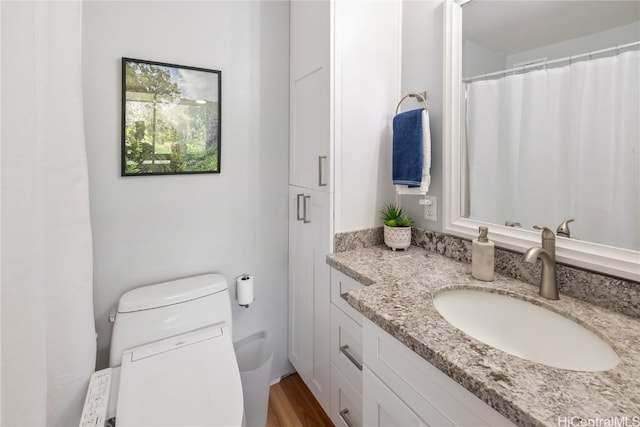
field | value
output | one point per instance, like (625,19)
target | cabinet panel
(309,145)
(346,347)
(382,408)
(309,300)
(367,82)
(320,235)
(346,402)
(434,396)
(300,287)
(309,36)
(341,284)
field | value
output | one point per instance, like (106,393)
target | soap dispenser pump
(482,256)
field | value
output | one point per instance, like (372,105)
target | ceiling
(512,26)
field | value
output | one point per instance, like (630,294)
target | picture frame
(171,119)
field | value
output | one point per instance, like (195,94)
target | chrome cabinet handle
(320,183)
(344,350)
(298,217)
(304,213)
(343,415)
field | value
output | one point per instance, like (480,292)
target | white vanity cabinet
(401,388)
(378,381)
(346,354)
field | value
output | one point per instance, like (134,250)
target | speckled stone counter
(398,298)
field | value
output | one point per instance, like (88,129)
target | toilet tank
(154,312)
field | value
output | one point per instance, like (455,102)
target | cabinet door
(346,402)
(309,300)
(309,32)
(309,134)
(382,408)
(432,395)
(300,286)
(310,96)
(346,347)
(319,234)
(341,284)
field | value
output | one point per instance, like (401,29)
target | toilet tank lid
(170,293)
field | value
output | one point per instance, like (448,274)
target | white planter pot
(397,237)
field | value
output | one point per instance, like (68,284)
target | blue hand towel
(407,148)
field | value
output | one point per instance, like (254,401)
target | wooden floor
(291,404)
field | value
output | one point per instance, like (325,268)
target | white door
(300,286)
(319,227)
(310,95)
(309,290)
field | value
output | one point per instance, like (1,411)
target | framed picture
(170,119)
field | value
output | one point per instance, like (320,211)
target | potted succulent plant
(397,227)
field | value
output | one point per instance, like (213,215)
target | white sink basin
(525,330)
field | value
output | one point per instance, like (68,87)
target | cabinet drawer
(341,284)
(346,402)
(436,398)
(382,408)
(346,347)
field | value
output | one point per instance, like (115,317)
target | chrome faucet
(547,254)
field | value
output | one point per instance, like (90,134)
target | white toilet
(172,356)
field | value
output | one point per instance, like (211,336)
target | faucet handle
(563,229)
(548,240)
(512,224)
(546,232)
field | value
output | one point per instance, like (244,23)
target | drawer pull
(298,217)
(343,415)
(344,350)
(304,209)
(321,182)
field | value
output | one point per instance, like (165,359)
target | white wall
(367,71)
(477,59)
(149,229)
(422,39)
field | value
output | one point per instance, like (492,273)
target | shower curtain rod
(555,61)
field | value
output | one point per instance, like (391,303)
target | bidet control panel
(97,401)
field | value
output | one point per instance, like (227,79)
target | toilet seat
(187,380)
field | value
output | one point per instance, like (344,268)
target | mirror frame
(609,260)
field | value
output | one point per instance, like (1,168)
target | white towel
(426,162)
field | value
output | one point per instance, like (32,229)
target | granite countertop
(398,298)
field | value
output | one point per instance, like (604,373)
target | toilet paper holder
(244,290)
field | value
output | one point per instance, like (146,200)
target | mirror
(541,124)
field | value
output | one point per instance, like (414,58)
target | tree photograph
(171,119)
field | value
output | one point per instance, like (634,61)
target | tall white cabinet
(344,81)
(310,194)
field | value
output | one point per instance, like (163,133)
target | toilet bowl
(172,356)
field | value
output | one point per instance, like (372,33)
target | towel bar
(422,96)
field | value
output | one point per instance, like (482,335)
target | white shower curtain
(48,333)
(556,143)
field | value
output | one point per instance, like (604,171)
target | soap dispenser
(482,256)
